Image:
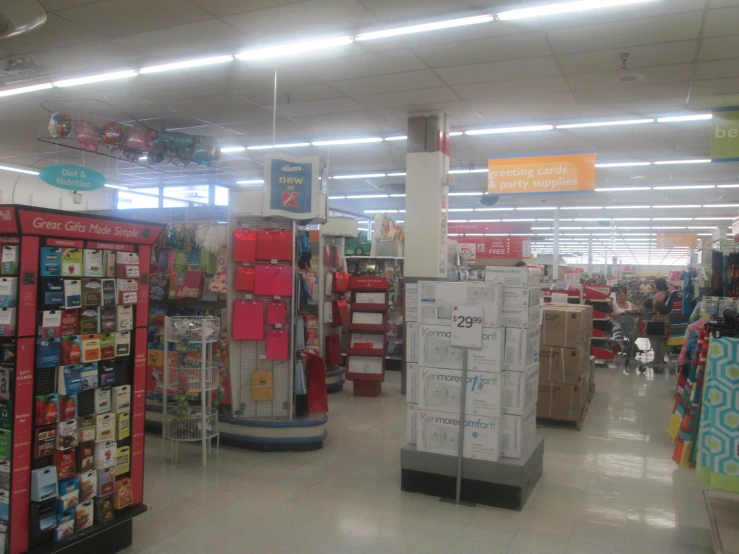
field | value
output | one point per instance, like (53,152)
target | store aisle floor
(610,488)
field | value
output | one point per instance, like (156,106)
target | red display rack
(368,384)
(599,296)
(30,229)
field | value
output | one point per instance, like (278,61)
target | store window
(191,193)
(221,196)
(171,203)
(133,201)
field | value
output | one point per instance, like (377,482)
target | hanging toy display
(60,125)
(88,136)
(113,133)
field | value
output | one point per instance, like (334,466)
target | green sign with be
(725,136)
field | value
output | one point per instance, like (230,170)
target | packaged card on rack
(106,476)
(107,286)
(7,322)
(90,348)
(104,459)
(4,509)
(123,460)
(107,319)
(128,291)
(9,260)
(107,346)
(70,323)
(86,431)
(50,324)
(4,475)
(83,513)
(106,372)
(51,262)
(43,484)
(6,374)
(69,494)
(47,409)
(64,525)
(66,435)
(89,321)
(85,458)
(124,318)
(67,406)
(8,292)
(123,493)
(108,263)
(104,512)
(92,263)
(89,375)
(69,380)
(121,398)
(71,350)
(126,265)
(72,293)
(92,292)
(71,262)
(123,343)
(123,425)
(105,428)
(102,400)
(44,442)
(48,353)
(65,462)
(53,292)
(43,517)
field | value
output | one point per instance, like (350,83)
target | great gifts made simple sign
(548,173)
(72,177)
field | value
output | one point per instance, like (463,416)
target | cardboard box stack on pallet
(500,405)
(564,362)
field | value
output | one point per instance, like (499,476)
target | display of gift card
(92,292)
(107,346)
(86,428)
(108,319)
(48,353)
(66,435)
(122,343)
(83,513)
(124,318)
(9,260)
(44,441)
(50,324)
(104,512)
(89,375)
(51,261)
(7,322)
(123,425)
(69,494)
(85,457)
(126,265)
(123,495)
(121,398)
(123,460)
(89,321)
(43,484)
(92,263)
(71,350)
(65,462)
(64,525)
(69,380)
(52,292)
(6,374)
(104,459)
(70,323)
(8,292)
(90,348)
(107,286)
(106,372)
(128,291)
(105,428)
(72,293)
(108,263)
(47,409)
(71,262)
(103,400)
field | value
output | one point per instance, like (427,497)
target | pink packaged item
(277,344)
(276,313)
(248,320)
(273,280)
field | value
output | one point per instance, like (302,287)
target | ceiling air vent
(19,16)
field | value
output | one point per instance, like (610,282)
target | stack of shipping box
(564,361)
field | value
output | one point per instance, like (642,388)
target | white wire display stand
(189,368)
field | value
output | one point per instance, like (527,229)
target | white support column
(590,255)
(555,247)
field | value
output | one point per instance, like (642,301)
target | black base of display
(477,492)
(98,539)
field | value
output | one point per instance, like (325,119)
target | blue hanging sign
(292,187)
(72,177)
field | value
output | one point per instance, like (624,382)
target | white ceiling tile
(718,69)
(633,94)
(408,97)
(401,113)
(355,65)
(705,87)
(388,83)
(522,87)
(115,19)
(95,57)
(721,22)
(526,45)
(718,48)
(670,28)
(698,102)
(221,108)
(160,89)
(319,107)
(341,119)
(56,32)
(639,56)
(424,10)
(230,7)
(54,5)
(499,71)
(520,110)
(652,75)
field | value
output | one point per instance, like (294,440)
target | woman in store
(620,306)
(662,291)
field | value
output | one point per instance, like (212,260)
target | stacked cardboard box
(521,319)
(564,358)
(434,371)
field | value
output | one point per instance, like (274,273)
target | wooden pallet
(566,423)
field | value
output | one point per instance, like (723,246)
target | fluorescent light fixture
(229,149)
(187,64)
(721,205)
(672,219)
(581,207)
(492,209)
(685,187)
(251,182)
(702,227)
(336,197)
(728,186)
(520,235)
(461,209)
(605,123)
(346,141)
(457,221)
(112,186)
(676,162)
(626,207)
(619,227)
(563,7)
(714,218)
(359,196)
(516,220)
(496,234)
(663,227)
(623,164)
(401,137)
(361,176)
(269,146)
(143,158)
(96,78)
(396,174)
(680,118)
(484,220)
(466,193)
(678,206)
(570,228)
(704,234)
(397,196)
(540,208)
(456,133)
(411,29)
(400,221)
(501,130)
(550,219)
(291,49)
(630,219)
(380,211)
(18,170)
(622,189)
(23,90)
(474,235)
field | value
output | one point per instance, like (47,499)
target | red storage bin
(244,279)
(275,245)
(273,280)
(276,313)
(248,320)
(245,245)
(277,344)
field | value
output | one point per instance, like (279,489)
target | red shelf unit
(599,296)
(31,228)
(367,384)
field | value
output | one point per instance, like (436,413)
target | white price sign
(467,326)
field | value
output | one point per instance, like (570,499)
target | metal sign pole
(460,453)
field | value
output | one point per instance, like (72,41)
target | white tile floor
(610,488)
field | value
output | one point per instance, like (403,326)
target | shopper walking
(620,306)
(662,290)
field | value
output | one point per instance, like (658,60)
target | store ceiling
(547,70)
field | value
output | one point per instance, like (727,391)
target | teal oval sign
(72,177)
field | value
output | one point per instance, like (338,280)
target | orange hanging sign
(542,174)
(668,240)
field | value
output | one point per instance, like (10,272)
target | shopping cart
(639,325)
(631,325)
